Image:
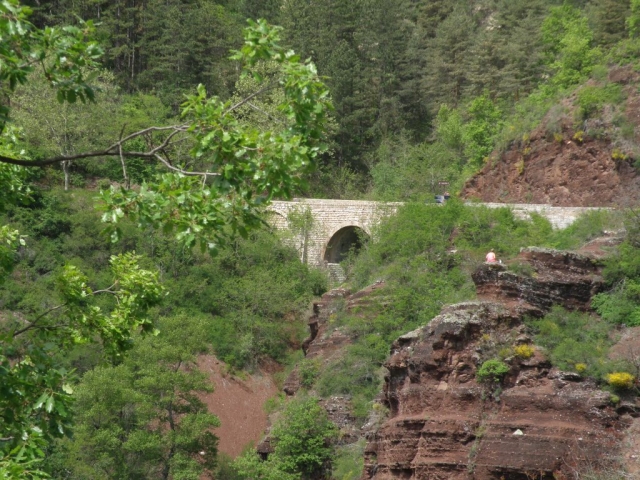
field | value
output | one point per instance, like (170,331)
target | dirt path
(239,405)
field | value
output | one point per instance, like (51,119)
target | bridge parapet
(324,230)
(560,217)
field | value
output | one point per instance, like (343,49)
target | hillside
(447,422)
(438,418)
(570,160)
(152,324)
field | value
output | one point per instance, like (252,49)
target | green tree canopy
(231,171)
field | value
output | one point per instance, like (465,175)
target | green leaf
(50,404)
(41,400)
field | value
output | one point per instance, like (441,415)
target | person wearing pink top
(491,257)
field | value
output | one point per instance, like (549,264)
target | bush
(621,304)
(524,351)
(621,380)
(302,437)
(492,371)
(308,371)
(591,99)
(575,341)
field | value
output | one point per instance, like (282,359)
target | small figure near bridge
(491,257)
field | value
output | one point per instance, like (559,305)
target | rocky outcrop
(551,277)
(325,341)
(537,423)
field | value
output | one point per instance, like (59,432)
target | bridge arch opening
(342,242)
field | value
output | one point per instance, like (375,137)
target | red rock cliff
(540,423)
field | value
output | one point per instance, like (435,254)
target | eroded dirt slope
(555,166)
(238,403)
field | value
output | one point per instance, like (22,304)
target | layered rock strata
(550,277)
(538,423)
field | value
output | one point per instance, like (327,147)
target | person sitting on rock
(491,257)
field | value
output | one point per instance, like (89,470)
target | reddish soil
(568,163)
(239,404)
(631,450)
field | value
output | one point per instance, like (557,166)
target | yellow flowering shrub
(580,367)
(621,379)
(524,351)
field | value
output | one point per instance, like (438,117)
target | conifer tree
(607,19)
(446,76)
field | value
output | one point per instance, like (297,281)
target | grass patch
(592,98)
(575,341)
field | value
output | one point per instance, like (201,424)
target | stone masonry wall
(330,216)
(560,217)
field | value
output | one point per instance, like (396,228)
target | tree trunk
(65,169)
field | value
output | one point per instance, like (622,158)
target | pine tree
(445,72)
(518,25)
(607,19)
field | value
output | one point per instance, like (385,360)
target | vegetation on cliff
(424,92)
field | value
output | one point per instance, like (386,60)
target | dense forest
(117,272)
(422,91)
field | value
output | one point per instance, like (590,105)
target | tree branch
(117,150)
(111,151)
(38,318)
(186,173)
(247,99)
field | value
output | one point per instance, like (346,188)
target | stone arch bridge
(324,231)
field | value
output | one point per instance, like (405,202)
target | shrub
(303,436)
(505,352)
(620,305)
(492,371)
(579,136)
(524,351)
(592,98)
(618,155)
(580,367)
(308,371)
(574,338)
(621,380)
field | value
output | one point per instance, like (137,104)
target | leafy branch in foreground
(233,169)
(64,54)
(35,390)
